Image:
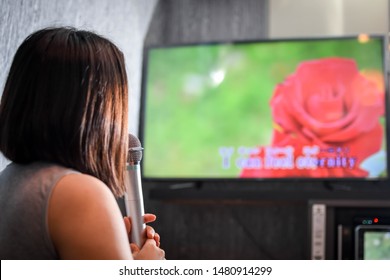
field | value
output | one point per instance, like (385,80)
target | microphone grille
(135,149)
(134,141)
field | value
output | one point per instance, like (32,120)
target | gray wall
(125,22)
(186,21)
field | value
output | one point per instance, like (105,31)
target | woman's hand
(150,249)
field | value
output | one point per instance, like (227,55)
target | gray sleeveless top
(24,196)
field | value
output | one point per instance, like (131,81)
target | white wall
(125,22)
(307,18)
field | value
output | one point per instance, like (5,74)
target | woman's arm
(85,221)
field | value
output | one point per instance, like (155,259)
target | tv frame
(322,185)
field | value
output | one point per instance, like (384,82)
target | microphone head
(135,150)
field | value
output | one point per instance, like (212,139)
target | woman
(63,124)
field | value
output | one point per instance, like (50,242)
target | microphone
(134,202)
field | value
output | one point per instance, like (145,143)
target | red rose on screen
(326,103)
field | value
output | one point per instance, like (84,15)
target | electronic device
(266,110)
(349,229)
(372,241)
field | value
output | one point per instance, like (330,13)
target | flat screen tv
(266,110)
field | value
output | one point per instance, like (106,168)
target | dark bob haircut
(65,102)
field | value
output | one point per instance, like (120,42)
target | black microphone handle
(134,203)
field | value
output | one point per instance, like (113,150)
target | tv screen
(302,108)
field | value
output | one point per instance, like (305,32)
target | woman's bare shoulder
(78,186)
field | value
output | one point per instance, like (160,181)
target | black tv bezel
(323,185)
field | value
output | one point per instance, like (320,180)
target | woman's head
(65,101)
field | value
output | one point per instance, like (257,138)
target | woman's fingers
(157,239)
(148,218)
